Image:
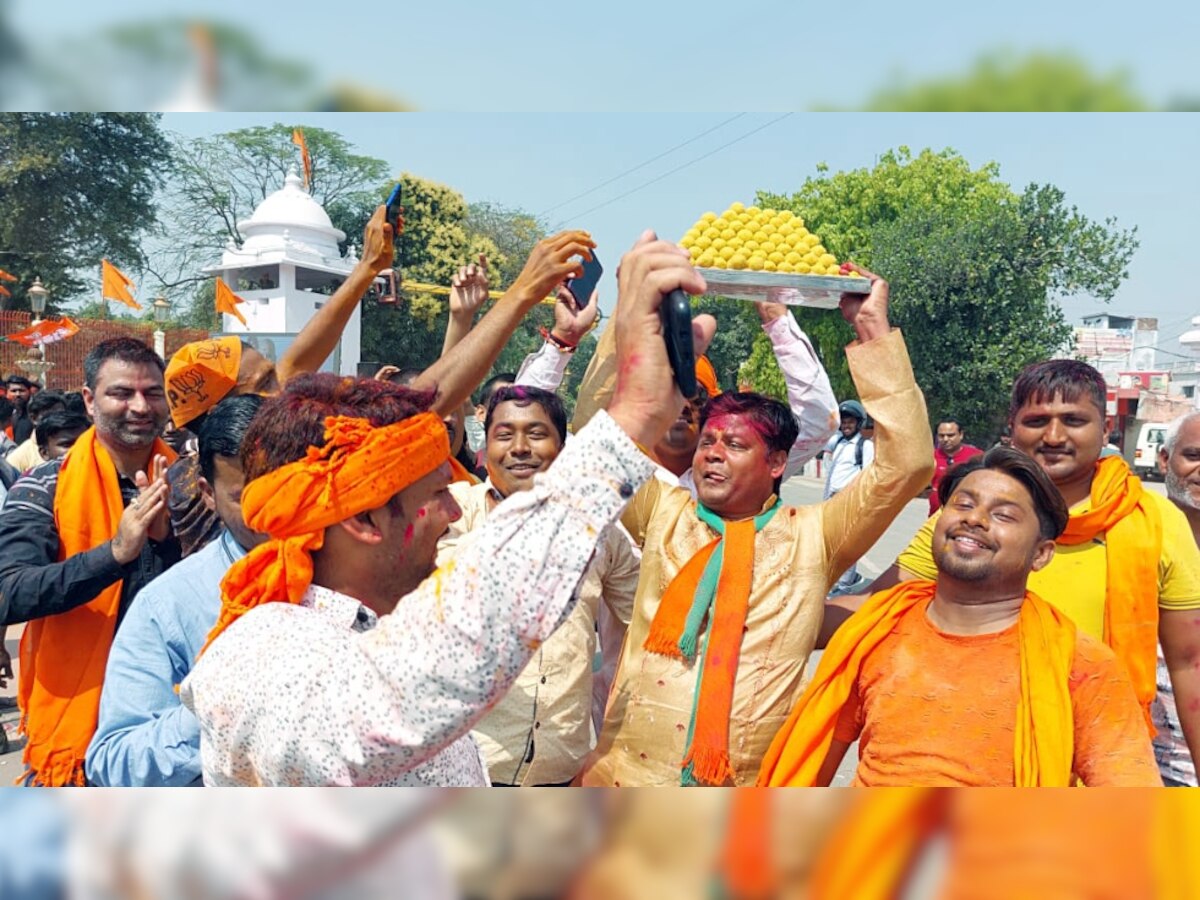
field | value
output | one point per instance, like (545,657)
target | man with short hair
(20,389)
(1126,569)
(1179,461)
(540,731)
(145,736)
(26,455)
(971,680)
(57,433)
(336,658)
(950,451)
(699,704)
(848,452)
(78,538)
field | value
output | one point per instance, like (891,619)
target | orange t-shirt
(935,709)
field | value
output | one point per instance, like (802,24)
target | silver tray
(817,291)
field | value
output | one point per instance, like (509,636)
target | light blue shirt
(145,736)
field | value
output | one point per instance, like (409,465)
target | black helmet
(853,408)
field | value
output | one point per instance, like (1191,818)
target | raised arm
(468,290)
(318,338)
(857,516)
(810,395)
(457,373)
(546,367)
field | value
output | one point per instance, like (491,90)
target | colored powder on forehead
(420,514)
(733,421)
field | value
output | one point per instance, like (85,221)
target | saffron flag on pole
(44,333)
(227,301)
(115,285)
(7,276)
(298,140)
(5,292)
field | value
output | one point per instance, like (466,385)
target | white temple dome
(291,211)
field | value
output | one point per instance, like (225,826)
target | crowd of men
(437,577)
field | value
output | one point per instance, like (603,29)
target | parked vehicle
(1145,455)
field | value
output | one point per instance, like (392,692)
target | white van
(1145,457)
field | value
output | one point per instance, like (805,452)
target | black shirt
(22,428)
(33,583)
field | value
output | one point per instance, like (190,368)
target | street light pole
(36,363)
(162,308)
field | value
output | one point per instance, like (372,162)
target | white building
(286,269)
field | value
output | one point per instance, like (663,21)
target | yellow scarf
(1132,531)
(1045,741)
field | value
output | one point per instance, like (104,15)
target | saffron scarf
(1045,729)
(716,579)
(358,468)
(1132,530)
(63,657)
(746,869)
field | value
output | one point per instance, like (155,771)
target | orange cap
(200,375)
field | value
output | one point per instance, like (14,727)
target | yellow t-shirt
(1075,581)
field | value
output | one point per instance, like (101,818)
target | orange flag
(7,276)
(115,285)
(298,140)
(227,301)
(45,333)
(5,292)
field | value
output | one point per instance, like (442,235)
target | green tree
(76,188)
(1000,81)
(976,270)
(439,236)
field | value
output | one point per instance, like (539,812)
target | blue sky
(1140,169)
(630,54)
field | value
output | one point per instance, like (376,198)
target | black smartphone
(581,288)
(393,205)
(676,314)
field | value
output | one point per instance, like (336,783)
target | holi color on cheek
(408,534)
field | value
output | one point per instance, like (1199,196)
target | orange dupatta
(1045,734)
(63,657)
(1132,531)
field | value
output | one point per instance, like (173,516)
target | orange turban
(359,468)
(200,375)
(706,376)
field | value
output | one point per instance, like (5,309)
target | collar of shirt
(339,608)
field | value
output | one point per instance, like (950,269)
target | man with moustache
(731,597)
(1179,461)
(79,537)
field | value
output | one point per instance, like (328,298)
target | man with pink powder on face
(731,598)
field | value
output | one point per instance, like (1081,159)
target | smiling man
(971,681)
(79,537)
(540,732)
(732,590)
(1126,570)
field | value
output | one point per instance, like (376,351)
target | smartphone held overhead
(581,288)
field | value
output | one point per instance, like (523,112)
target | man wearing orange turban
(972,680)
(340,655)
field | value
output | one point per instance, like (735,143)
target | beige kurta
(798,555)
(541,730)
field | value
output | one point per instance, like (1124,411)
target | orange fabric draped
(63,657)
(706,376)
(1132,531)
(359,468)
(1044,745)
(746,869)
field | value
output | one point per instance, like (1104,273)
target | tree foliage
(1002,82)
(75,188)
(975,270)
